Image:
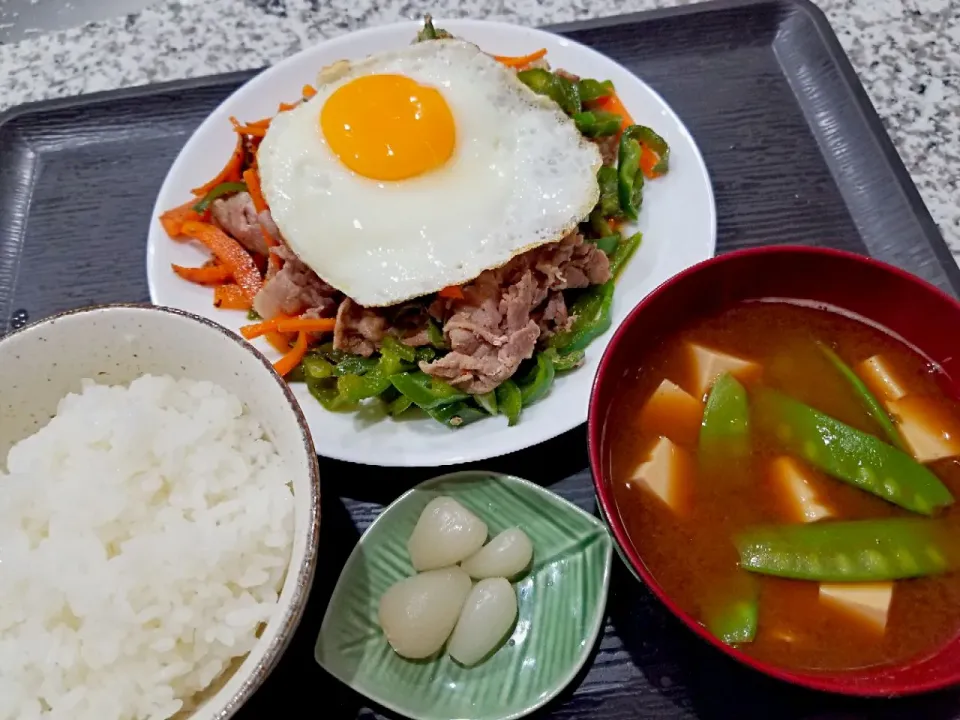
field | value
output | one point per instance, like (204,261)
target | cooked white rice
(145,533)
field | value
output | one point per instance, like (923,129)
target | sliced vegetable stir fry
(392,375)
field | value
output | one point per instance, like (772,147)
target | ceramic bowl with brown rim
(114,345)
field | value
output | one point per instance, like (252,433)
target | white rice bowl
(145,534)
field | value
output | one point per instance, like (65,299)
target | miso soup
(788,475)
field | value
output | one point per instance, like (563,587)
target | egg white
(521,176)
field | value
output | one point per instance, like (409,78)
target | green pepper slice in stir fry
(227,188)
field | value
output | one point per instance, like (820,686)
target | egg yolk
(388,127)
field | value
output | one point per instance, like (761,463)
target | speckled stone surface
(907,53)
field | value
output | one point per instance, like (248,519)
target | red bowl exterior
(897,300)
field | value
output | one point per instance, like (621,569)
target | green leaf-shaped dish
(561,606)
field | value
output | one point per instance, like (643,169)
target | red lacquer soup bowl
(902,303)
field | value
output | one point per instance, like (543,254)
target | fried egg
(414,170)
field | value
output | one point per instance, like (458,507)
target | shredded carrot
(262,328)
(173,220)
(271,242)
(206,275)
(308,92)
(284,107)
(648,160)
(452,292)
(280,343)
(230,297)
(612,103)
(289,361)
(230,253)
(256,129)
(230,172)
(521,61)
(252,179)
(310,325)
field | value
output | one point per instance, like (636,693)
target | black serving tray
(796,154)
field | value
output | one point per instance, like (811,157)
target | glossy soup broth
(692,554)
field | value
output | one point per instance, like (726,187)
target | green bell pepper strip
(395,357)
(399,405)
(597,225)
(326,393)
(849,454)
(227,188)
(850,551)
(429,32)
(559,89)
(591,90)
(354,365)
(298,374)
(646,136)
(869,401)
(538,381)
(623,252)
(509,401)
(425,353)
(629,177)
(401,350)
(456,414)
(726,419)
(592,312)
(563,363)
(316,367)
(608,244)
(609,203)
(487,401)
(253,315)
(597,123)
(354,388)
(734,618)
(435,335)
(425,391)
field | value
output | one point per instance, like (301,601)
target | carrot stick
(173,220)
(280,343)
(284,107)
(648,160)
(256,129)
(207,275)
(612,103)
(252,179)
(313,325)
(289,361)
(231,254)
(308,92)
(262,328)
(522,60)
(230,297)
(230,172)
(453,292)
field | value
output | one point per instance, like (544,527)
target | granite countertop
(907,53)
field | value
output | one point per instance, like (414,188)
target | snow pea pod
(849,454)
(849,551)
(726,420)
(733,617)
(867,399)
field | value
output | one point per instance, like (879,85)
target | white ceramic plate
(678,221)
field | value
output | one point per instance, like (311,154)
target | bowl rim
(823,681)
(290,619)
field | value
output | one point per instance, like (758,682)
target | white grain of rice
(145,533)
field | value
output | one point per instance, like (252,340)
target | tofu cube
(878,375)
(668,474)
(929,429)
(708,364)
(672,413)
(868,602)
(796,488)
